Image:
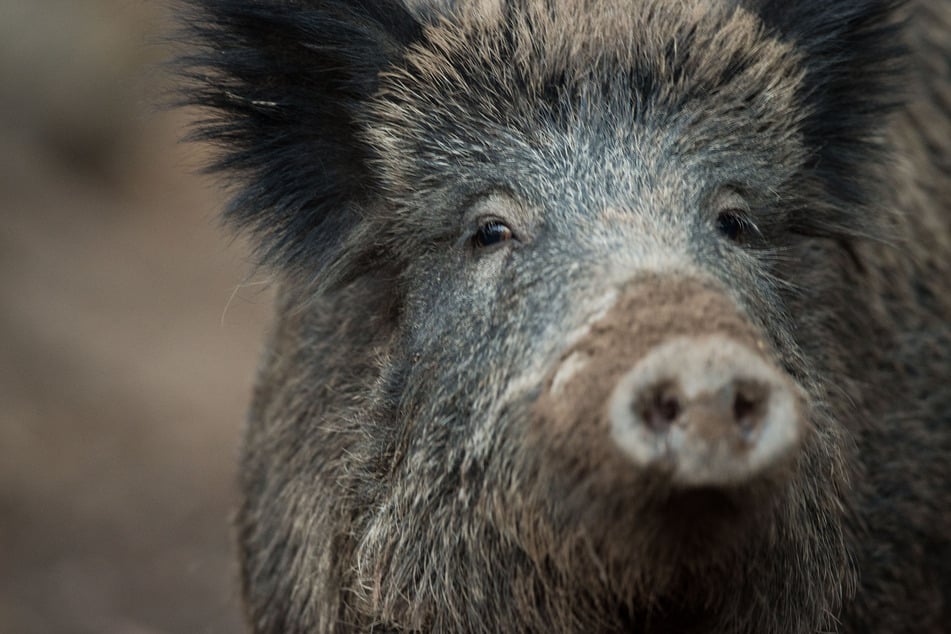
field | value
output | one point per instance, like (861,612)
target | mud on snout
(675,386)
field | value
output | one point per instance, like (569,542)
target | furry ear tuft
(281,84)
(854,56)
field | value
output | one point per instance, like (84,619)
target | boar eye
(733,220)
(732,225)
(491,233)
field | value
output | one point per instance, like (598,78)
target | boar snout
(672,387)
(708,410)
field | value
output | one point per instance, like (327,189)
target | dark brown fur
(397,475)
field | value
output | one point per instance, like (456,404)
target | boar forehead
(578,96)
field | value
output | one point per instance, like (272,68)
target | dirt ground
(130,326)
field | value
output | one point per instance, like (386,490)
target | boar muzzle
(673,380)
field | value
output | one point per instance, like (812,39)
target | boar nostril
(659,406)
(750,403)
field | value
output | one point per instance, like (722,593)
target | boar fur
(449,192)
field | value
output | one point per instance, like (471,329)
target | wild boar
(594,315)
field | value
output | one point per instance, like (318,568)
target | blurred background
(130,326)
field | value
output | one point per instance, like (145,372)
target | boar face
(573,276)
(637,191)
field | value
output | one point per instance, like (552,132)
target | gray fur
(394,474)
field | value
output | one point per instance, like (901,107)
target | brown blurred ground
(122,387)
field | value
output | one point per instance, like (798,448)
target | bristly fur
(279,83)
(397,473)
(285,86)
(855,57)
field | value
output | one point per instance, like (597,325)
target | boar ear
(280,84)
(853,55)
